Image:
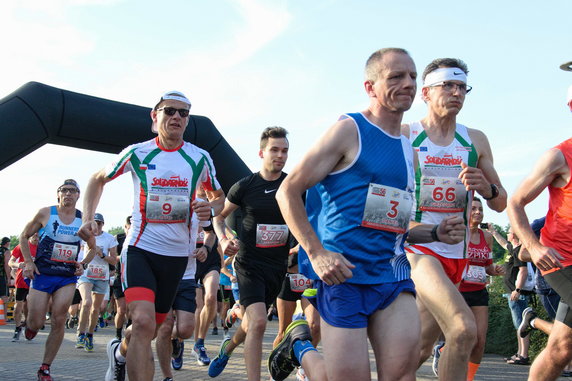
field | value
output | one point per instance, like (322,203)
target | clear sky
(249,64)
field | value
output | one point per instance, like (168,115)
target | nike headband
(444,74)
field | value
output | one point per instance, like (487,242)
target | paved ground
(20,361)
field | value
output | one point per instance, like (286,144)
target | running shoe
(68,323)
(301,375)
(525,328)
(101,322)
(80,342)
(29,334)
(219,362)
(230,318)
(17,333)
(116,370)
(168,379)
(437,349)
(44,373)
(201,355)
(73,322)
(282,360)
(88,344)
(214,331)
(177,361)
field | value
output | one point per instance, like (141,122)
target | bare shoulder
(554,162)
(478,138)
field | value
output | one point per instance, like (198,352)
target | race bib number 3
(271,235)
(167,209)
(97,272)
(475,275)
(387,208)
(442,194)
(64,253)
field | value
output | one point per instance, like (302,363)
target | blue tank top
(59,245)
(336,207)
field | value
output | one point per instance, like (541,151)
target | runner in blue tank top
(360,178)
(55,270)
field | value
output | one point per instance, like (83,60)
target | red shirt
(479,256)
(557,231)
(17,253)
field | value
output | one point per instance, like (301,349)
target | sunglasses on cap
(183,112)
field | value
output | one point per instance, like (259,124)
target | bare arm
(91,199)
(203,208)
(480,178)
(229,245)
(333,151)
(550,169)
(519,283)
(40,220)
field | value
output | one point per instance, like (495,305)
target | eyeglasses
(183,112)
(452,86)
(68,190)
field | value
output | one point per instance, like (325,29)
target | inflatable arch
(36,114)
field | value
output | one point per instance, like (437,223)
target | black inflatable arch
(36,114)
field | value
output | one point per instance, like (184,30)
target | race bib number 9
(442,194)
(167,209)
(299,283)
(387,208)
(64,253)
(475,275)
(98,272)
(271,235)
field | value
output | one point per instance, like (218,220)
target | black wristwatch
(518,290)
(494,192)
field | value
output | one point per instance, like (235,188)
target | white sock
(118,356)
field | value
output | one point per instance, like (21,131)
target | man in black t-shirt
(262,257)
(516,274)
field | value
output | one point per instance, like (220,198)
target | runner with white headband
(454,162)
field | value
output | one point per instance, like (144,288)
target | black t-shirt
(257,200)
(120,241)
(512,266)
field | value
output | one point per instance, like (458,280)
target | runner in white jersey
(94,283)
(166,172)
(454,162)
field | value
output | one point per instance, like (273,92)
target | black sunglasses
(183,112)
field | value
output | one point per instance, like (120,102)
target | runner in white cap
(166,172)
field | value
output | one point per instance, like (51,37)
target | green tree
(115,230)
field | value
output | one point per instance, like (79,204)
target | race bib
(299,283)
(475,275)
(167,208)
(271,235)
(98,272)
(387,208)
(442,194)
(64,253)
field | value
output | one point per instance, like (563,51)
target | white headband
(176,96)
(445,74)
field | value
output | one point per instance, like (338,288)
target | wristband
(434,233)
(494,192)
